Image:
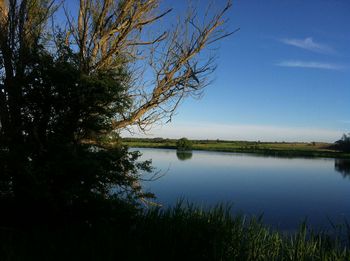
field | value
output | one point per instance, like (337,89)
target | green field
(288,149)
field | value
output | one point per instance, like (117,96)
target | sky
(284,76)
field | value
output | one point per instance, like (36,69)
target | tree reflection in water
(184,155)
(343,167)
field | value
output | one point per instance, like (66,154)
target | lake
(284,190)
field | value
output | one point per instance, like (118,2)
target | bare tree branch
(110,34)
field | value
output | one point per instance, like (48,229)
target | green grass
(216,235)
(287,149)
(184,232)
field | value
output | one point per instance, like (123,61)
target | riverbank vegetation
(178,233)
(287,149)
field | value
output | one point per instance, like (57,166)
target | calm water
(285,190)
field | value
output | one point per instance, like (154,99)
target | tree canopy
(344,143)
(183,144)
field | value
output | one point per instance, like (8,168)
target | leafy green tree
(184,144)
(66,118)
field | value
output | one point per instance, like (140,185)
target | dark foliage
(57,154)
(179,233)
(342,166)
(343,144)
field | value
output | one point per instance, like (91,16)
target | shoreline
(290,149)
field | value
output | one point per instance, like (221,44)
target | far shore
(280,149)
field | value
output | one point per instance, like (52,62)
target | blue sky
(285,76)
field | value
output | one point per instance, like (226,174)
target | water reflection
(286,190)
(184,155)
(343,167)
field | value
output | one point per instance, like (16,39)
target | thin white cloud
(310,64)
(206,130)
(345,121)
(309,44)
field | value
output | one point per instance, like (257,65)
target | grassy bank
(283,149)
(179,233)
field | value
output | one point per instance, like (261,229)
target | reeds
(217,235)
(183,232)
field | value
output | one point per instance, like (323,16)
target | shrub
(184,144)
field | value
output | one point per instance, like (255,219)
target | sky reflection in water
(285,190)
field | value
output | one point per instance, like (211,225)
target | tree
(109,33)
(343,144)
(184,144)
(65,91)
